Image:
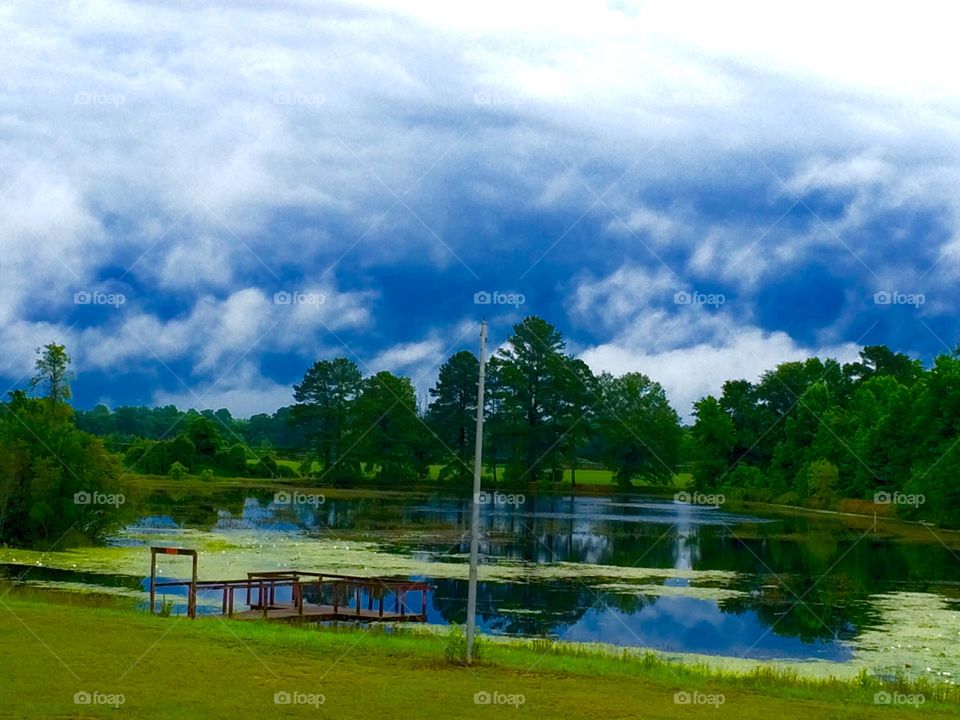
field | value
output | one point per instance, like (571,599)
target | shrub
(455,645)
(177,470)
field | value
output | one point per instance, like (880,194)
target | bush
(206,474)
(455,645)
(177,470)
(744,478)
(45,496)
(788,498)
(285,471)
(231,461)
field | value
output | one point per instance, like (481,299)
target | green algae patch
(918,635)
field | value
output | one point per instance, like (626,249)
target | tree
(205,436)
(822,479)
(713,439)
(576,394)
(877,360)
(452,413)
(530,372)
(53,372)
(386,427)
(326,399)
(639,430)
(57,483)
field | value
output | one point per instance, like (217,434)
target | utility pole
(475,519)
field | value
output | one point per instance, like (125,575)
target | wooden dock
(316,613)
(310,596)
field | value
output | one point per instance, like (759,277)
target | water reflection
(795,588)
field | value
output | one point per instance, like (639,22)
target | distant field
(586,477)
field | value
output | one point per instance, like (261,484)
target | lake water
(628,571)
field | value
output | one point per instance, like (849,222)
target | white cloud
(690,372)
(206,134)
(690,349)
(244,391)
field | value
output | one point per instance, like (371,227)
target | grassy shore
(55,646)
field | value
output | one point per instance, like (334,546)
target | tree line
(546,412)
(882,432)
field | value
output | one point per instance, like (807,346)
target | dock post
(193,589)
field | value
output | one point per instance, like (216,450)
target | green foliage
(455,645)
(453,413)
(387,428)
(325,414)
(57,483)
(640,433)
(816,431)
(713,438)
(822,479)
(177,470)
(53,373)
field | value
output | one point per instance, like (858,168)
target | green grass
(213,668)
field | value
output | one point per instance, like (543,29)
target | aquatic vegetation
(918,636)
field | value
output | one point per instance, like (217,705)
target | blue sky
(696,193)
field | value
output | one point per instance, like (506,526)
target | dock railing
(386,598)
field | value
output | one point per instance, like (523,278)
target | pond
(627,571)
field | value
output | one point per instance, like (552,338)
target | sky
(201,202)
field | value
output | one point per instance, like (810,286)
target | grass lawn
(213,668)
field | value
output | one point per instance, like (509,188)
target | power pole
(475,519)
